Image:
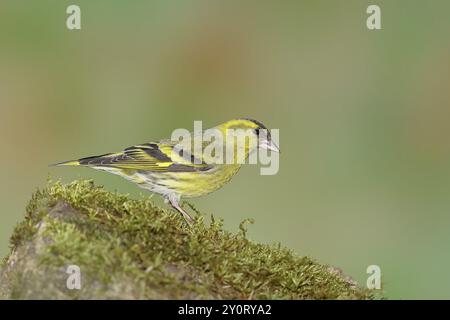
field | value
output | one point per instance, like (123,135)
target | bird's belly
(188,184)
(146,181)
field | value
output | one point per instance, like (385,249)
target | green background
(363,116)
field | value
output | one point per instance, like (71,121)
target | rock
(131,249)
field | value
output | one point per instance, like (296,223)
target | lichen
(128,248)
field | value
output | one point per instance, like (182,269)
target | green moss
(117,240)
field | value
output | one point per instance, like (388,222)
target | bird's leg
(174,203)
(186,215)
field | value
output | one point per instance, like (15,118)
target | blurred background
(363,116)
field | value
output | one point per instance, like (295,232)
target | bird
(176,173)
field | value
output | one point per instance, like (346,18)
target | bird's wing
(161,157)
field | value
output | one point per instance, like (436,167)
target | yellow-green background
(363,116)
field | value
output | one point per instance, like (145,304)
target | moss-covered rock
(131,249)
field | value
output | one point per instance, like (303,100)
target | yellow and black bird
(155,166)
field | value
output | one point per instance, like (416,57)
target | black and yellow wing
(160,157)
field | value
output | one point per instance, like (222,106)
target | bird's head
(255,128)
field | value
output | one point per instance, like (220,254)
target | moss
(129,248)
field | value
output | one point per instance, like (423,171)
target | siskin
(174,174)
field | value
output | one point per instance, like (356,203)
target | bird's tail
(70,163)
(88,161)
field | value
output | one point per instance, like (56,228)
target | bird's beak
(270,145)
